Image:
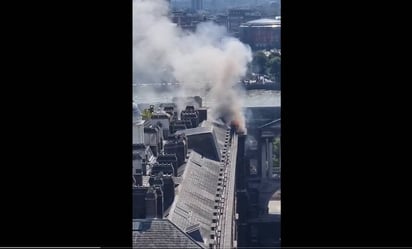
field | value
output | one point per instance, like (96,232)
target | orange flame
(236,124)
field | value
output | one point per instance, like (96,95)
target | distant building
(197,5)
(221,19)
(261,33)
(238,16)
(186,20)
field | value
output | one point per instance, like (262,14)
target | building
(238,16)
(221,19)
(258,185)
(186,20)
(138,126)
(160,233)
(197,5)
(261,33)
(206,186)
(184,194)
(138,132)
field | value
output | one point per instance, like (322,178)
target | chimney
(151,203)
(159,201)
(190,108)
(168,158)
(156,180)
(153,136)
(191,115)
(163,168)
(169,110)
(168,191)
(178,146)
(202,114)
(144,167)
(162,120)
(139,178)
(198,99)
(139,209)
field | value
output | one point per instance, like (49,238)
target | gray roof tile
(160,233)
(197,193)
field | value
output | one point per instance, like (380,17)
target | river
(251,98)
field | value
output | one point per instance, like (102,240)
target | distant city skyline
(221,4)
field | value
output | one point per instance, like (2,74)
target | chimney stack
(139,178)
(159,201)
(151,203)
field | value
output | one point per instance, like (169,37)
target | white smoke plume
(206,62)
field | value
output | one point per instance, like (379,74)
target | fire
(236,124)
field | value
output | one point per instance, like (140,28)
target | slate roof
(207,139)
(219,130)
(160,233)
(196,199)
(195,131)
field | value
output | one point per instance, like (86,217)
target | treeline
(266,63)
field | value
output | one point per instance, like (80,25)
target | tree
(274,65)
(259,61)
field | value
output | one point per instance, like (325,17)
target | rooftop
(160,233)
(197,193)
(264,22)
(208,139)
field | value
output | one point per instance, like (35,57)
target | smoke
(206,62)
